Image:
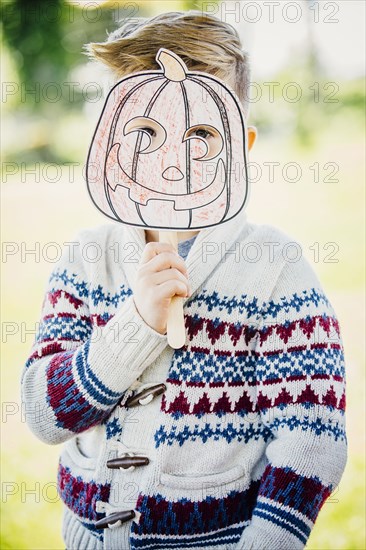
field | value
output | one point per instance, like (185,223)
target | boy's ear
(252,136)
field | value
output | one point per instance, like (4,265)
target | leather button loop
(113,518)
(127,461)
(152,391)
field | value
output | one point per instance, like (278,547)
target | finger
(165,260)
(167,275)
(171,288)
(153,248)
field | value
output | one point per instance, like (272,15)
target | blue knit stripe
(281,523)
(64,328)
(199,366)
(278,511)
(90,374)
(242,304)
(96,295)
(80,496)
(70,406)
(69,280)
(227,536)
(97,390)
(297,363)
(241,432)
(250,306)
(306,298)
(318,426)
(245,431)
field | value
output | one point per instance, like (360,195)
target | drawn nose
(172,173)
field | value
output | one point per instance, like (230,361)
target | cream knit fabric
(248,439)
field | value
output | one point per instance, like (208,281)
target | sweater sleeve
(301,400)
(79,366)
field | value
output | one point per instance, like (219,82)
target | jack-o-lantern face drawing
(169,151)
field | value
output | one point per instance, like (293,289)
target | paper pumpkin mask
(169,150)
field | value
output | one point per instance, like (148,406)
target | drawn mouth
(140,194)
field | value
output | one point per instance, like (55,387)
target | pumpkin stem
(173,66)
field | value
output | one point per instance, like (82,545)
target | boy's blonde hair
(204,42)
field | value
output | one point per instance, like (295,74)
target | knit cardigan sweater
(248,439)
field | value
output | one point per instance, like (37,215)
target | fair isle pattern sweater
(248,439)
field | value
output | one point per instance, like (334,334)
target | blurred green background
(307,178)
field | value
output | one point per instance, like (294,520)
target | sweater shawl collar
(207,251)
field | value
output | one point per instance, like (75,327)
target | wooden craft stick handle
(176,333)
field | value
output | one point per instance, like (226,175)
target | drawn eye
(202,132)
(210,136)
(150,131)
(150,127)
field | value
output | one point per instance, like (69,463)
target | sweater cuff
(263,534)
(124,348)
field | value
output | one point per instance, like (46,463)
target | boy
(232,442)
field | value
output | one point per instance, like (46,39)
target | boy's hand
(161,275)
